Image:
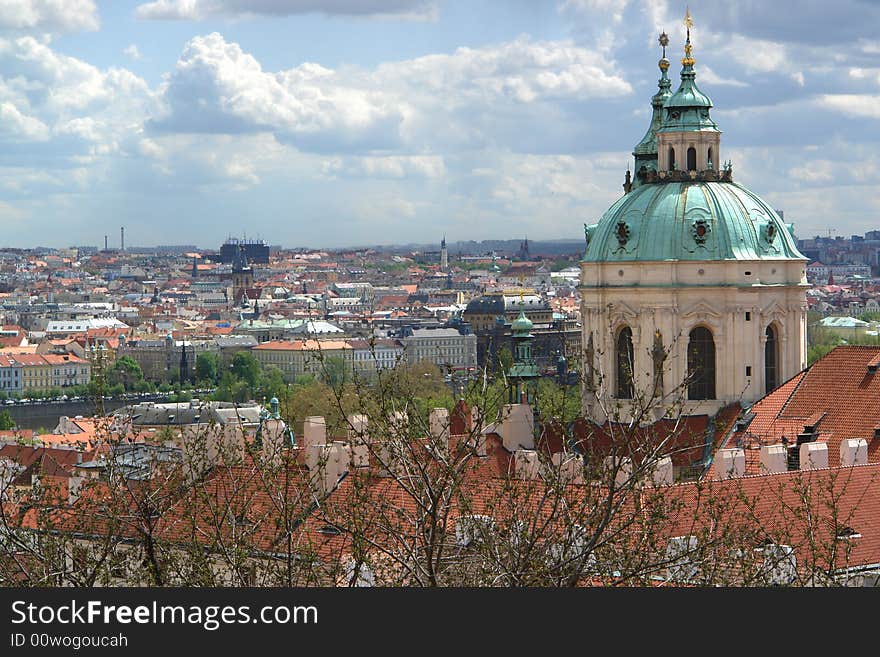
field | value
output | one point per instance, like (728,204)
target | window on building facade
(692,159)
(701,364)
(771,359)
(624,367)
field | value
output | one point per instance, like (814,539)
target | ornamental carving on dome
(770,232)
(622,232)
(700,230)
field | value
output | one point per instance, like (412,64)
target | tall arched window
(709,159)
(671,158)
(771,360)
(624,369)
(692,159)
(701,364)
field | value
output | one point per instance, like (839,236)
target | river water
(45,415)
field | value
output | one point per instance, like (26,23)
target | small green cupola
(688,140)
(523,369)
(645,152)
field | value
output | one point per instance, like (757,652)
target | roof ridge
(792,393)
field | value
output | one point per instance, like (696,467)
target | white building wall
(675,297)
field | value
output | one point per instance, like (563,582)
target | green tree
(505,359)
(336,372)
(272,383)
(246,368)
(127,372)
(207,367)
(6,421)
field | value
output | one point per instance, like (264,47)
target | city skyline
(396,121)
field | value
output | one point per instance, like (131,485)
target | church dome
(521,324)
(682,206)
(690,221)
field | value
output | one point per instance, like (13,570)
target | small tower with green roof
(523,369)
(645,152)
(688,139)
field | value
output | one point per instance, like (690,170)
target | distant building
(256,251)
(445,347)
(372,356)
(297,357)
(27,373)
(168,359)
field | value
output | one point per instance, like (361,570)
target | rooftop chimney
(774,458)
(813,456)
(570,467)
(314,431)
(622,467)
(731,463)
(359,441)
(438,424)
(663,473)
(527,465)
(327,463)
(516,427)
(853,452)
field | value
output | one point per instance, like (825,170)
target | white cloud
(615,8)
(19,127)
(132,51)
(218,87)
(391,166)
(52,15)
(817,171)
(710,77)
(855,105)
(196,10)
(66,84)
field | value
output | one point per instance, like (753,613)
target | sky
(334,123)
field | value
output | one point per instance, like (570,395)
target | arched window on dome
(671,158)
(771,359)
(692,159)
(710,159)
(624,363)
(701,364)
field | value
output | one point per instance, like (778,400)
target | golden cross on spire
(688,23)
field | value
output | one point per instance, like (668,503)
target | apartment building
(297,357)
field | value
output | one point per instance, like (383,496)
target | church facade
(692,287)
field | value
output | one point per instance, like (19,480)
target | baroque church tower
(693,289)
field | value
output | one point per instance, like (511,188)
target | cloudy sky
(330,123)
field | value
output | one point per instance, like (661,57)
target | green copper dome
(687,110)
(522,324)
(690,221)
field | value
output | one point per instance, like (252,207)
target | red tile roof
(839,395)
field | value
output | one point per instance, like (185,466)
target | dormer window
(847,534)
